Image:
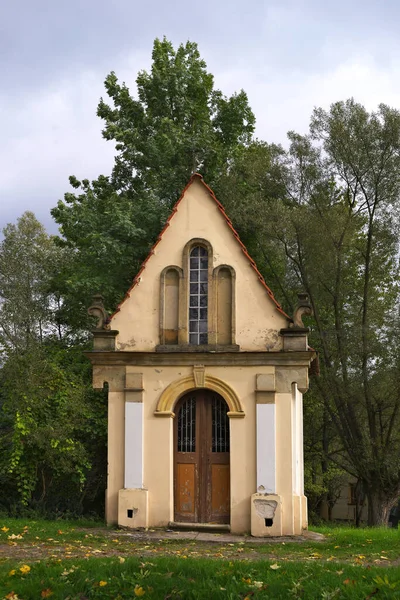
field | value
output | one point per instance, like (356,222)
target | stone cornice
(283,359)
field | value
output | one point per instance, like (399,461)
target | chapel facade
(206,375)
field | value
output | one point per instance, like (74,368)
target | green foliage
(102,244)
(52,425)
(55,423)
(178,124)
(27,259)
(252,186)
(326,223)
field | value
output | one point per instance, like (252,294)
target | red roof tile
(235,233)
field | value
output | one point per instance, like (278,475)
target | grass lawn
(79,560)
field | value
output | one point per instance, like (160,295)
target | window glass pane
(193,314)
(193,326)
(203,338)
(194,288)
(203,275)
(204,263)
(203,326)
(194,263)
(194,301)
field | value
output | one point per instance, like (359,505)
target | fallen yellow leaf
(274,566)
(139,591)
(24,569)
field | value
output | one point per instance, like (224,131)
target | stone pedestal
(133,508)
(266,515)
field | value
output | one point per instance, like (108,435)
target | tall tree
(177,124)
(27,259)
(52,424)
(336,233)
(362,150)
(52,430)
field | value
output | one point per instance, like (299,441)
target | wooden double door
(201,456)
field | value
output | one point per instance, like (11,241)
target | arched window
(197,303)
(198,296)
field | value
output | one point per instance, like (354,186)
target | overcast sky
(288,55)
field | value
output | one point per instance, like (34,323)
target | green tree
(362,151)
(52,425)
(252,190)
(28,257)
(334,232)
(178,124)
(53,430)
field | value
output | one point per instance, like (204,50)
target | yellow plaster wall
(257,319)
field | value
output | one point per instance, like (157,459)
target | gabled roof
(197,176)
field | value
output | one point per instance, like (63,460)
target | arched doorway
(201,458)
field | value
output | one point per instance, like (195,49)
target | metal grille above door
(187,426)
(220,425)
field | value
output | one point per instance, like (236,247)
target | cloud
(288,63)
(52,134)
(282,103)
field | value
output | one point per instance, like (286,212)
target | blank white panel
(301,443)
(133,445)
(266,447)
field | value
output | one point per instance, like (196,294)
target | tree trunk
(379,508)
(330,508)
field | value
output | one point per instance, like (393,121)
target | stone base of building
(271,515)
(274,515)
(133,508)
